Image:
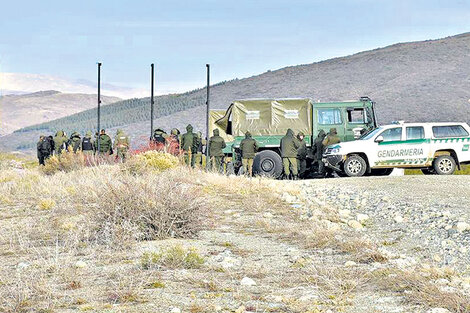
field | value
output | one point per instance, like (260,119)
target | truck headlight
(334,150)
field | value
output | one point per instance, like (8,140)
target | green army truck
(269,119)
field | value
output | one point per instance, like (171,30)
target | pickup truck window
(415,132)
(329,117)
(392,134)
(449,131)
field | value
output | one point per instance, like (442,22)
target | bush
(132,208)
(173,257)
(151,161)
(66,162)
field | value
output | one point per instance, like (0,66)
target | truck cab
(268,120)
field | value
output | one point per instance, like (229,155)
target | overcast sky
(238,38)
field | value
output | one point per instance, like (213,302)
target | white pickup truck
(435,148)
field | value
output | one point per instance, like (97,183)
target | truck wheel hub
(354,166)
(267,165)
(445,166)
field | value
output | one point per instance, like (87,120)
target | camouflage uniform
(216,155)
(43,149)
(301,154)
(187,141)
(121,145)
(318,150)
(60,142)
(105,143)
(289,146)
(75,142)
(248,147)
(198,148)
(173,142)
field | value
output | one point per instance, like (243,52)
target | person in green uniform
(121,145)
(216,153)
(289,146)
(187,141)
(301,155)
(248,148)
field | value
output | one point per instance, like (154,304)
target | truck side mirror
(379,139)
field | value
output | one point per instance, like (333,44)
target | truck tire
(381,171)
(355,166)
(267,163)
(444,165)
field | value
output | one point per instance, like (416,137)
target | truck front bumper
(333,161)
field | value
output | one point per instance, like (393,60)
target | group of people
(294,152)
(190,146)
(101,144)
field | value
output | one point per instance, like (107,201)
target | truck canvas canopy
(267,117)
(214,117)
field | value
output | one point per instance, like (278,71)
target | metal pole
(207,117)
(99,105)
(151,100)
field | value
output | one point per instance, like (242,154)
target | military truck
(269,119)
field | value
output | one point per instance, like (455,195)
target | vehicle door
(416,147)
(388,144)
(356,123)
(327,118)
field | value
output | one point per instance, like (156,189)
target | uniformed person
(105,144)
(195,148)
(121,145)
(60,142)
(88,144)
(289,146)
(330,139)
(50,139)
(216,145)
(187,141)
(43,149)
(75,142)
(301,154)
(318,150)
(248,148)
(173,142)
(199,150)
(159,139)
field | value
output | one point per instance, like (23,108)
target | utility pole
(99,105)
(207,117)
(151,99)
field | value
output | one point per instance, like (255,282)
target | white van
(435,148)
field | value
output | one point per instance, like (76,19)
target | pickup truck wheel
(267,163)
(355,166)
(444,165)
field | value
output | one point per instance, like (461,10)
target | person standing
(301,155)
(43,149)
(318,151)
(88,144)
(159,139)
(216,153)
(173,142)
(75,142)
(105,144)
(187,141)
(248,147)
(289,146)
(198,147)
(121,145)
(60,142)
(330,139)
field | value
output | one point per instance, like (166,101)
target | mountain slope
(19,111)
(416,81)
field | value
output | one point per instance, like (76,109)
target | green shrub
(173,257)
(151,161)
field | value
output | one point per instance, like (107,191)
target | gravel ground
(425,217)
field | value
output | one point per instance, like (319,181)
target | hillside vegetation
(416,81)
(17,111)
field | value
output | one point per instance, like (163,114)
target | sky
(238,38)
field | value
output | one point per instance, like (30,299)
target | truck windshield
(371,134)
